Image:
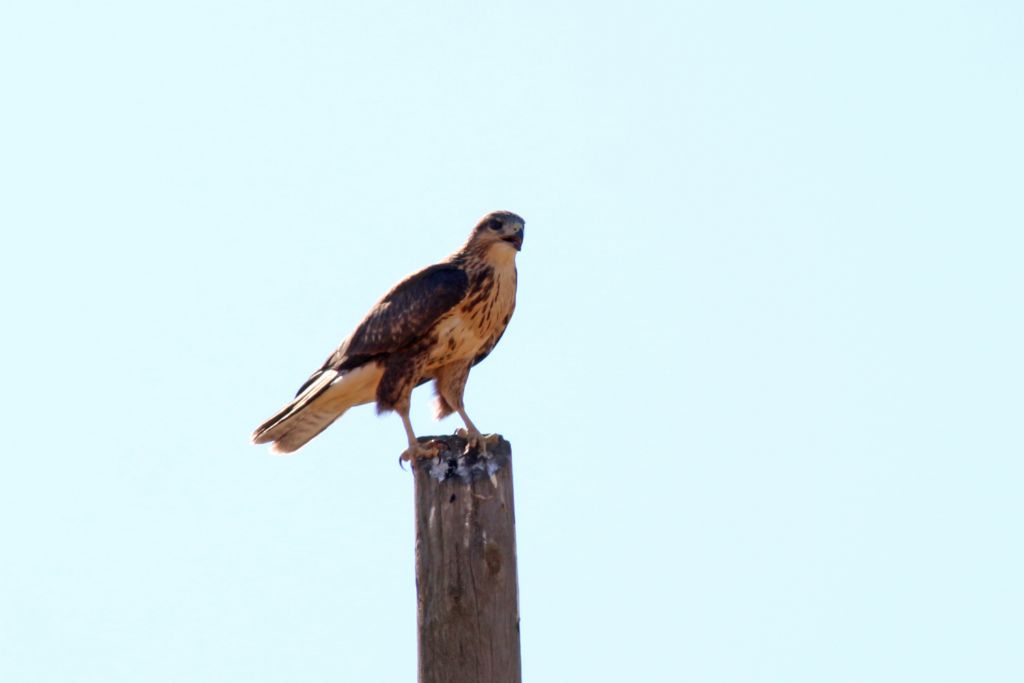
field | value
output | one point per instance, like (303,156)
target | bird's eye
(495,224)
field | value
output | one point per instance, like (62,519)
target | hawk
(434,325)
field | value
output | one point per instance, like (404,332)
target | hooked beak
(515,240)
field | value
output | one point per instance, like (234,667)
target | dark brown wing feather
(401,318)
(408,311)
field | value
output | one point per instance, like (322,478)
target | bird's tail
(320,403)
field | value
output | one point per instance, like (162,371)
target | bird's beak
(515,240)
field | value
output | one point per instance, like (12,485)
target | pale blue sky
(764,384)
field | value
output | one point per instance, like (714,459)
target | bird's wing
(400,318)
(409,310)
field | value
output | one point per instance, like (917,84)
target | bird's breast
(474,326)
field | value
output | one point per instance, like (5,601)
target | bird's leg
(474,439)
(416,449)
(450,382)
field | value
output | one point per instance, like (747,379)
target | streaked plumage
(434,325)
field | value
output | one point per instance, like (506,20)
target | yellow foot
(475,439)
(419,451)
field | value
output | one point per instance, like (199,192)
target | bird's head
(502,230)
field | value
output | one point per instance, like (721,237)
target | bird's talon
(420,451)
(476,441)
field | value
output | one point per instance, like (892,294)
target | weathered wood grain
(466,581)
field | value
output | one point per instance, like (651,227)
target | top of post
(453,463)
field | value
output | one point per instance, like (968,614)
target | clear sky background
(764,382)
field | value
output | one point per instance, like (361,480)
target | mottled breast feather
(490,301)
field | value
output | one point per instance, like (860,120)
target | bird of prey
(433,325)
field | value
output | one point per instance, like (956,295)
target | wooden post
(467,600)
